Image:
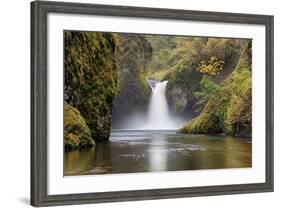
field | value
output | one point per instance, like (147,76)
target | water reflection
(158,154)
(144,151)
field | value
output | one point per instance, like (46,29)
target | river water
(130,151)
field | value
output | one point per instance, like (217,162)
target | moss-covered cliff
(77,134)
(184,79)
(134,55)
(226,105)
(209,80)
(91,75)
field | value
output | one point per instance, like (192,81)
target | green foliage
(162,46)
(226,107)
(207,122)
(77,134)
(91,74)
(203,74)
(209,90)
(184,60)
(134,56)
(158,75)
(239,113)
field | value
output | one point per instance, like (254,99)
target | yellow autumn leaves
(211,67)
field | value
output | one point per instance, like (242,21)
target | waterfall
(158,113)
(158,116)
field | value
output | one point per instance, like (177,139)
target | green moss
(142,79)
(239,113)
(227,106)
(159,75)
(91,75)
(176,59)
(77,134)
(206,123)
(134,56)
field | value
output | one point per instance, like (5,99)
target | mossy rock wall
(184,79)
(91,75)
(133,94)
(77,134)
(228,108)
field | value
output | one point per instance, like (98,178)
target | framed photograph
(131,103)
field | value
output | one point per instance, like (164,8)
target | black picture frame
(39,98)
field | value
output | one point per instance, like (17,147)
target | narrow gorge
(140,103)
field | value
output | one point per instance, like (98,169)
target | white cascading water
(158,112)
